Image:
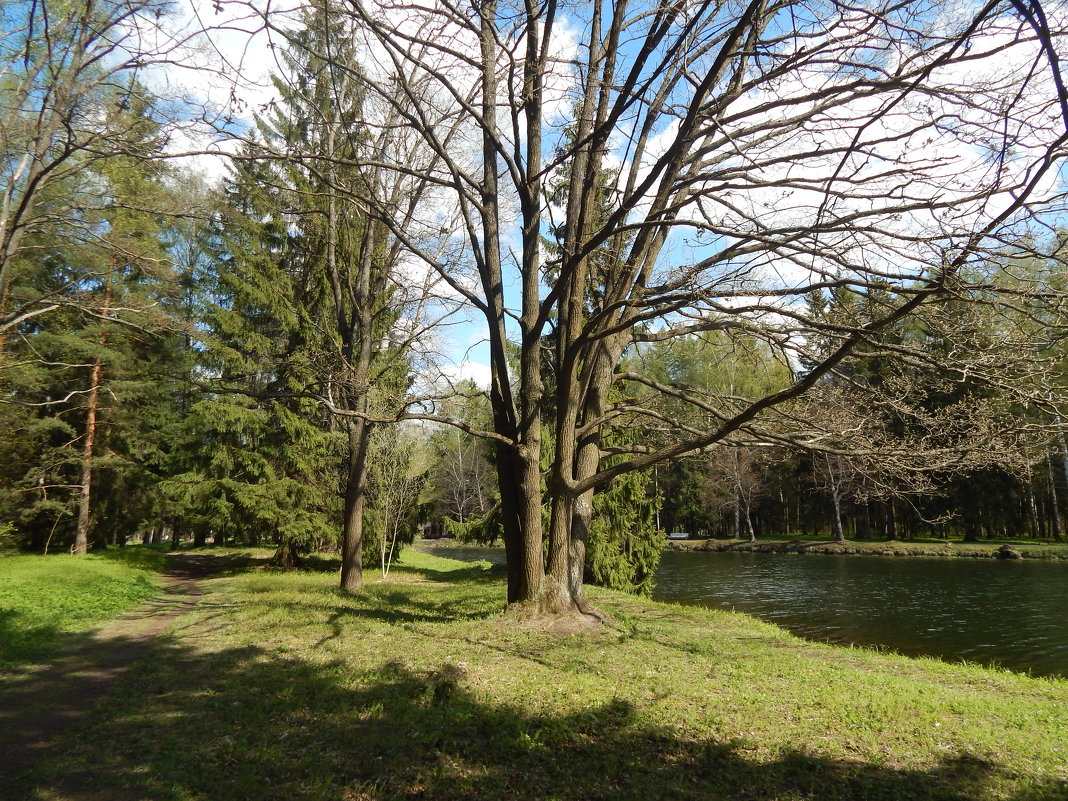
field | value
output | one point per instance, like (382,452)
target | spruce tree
(88,369)
(310,308)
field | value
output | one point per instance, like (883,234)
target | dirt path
(37,704)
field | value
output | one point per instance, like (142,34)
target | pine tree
(87,366)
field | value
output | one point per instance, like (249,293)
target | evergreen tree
(89,369)
(312,317)
(625,544)
(251,465)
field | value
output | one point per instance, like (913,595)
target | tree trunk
(1032,505)
(81,538)
(355,501)
(891,521)
(1055,510)
(839,532)
(286,555)
(518,567)
(736,528)
(750,531)
(519,469)
(864,522)
(5,295)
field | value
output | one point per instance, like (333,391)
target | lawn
(278,687)
(43,597)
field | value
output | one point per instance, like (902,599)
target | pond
(1009,613)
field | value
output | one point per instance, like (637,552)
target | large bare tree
(723,161)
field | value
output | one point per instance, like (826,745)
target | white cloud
(467,370)
(890,177)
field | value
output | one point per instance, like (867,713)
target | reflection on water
(1010,613)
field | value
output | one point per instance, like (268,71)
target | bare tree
(463,480)
(398,476)
(760,152)
(733,483)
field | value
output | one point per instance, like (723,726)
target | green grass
(278,687)
(43,597)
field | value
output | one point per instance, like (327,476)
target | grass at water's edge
(43,597)
(1023,549)
(277,686)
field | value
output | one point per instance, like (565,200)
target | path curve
(39,703)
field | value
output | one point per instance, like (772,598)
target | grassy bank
(1026,549)
(277,687)
(43,597)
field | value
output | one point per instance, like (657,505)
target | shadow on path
(37,702)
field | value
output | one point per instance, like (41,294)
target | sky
(235,59)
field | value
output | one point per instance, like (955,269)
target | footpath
(39,702)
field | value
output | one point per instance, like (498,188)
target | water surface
(1010,613)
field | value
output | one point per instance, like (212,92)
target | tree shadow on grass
(248,724)
(146,557)
(471,572)
(21,642)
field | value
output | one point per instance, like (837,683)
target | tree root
(574,618)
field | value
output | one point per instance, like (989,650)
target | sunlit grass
(42,597)
(278,686)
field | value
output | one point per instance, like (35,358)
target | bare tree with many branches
(759,152)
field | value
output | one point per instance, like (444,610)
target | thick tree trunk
(286,555)
(515,551)
(355,501)
(518,420)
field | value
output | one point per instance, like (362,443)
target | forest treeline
(680,338)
